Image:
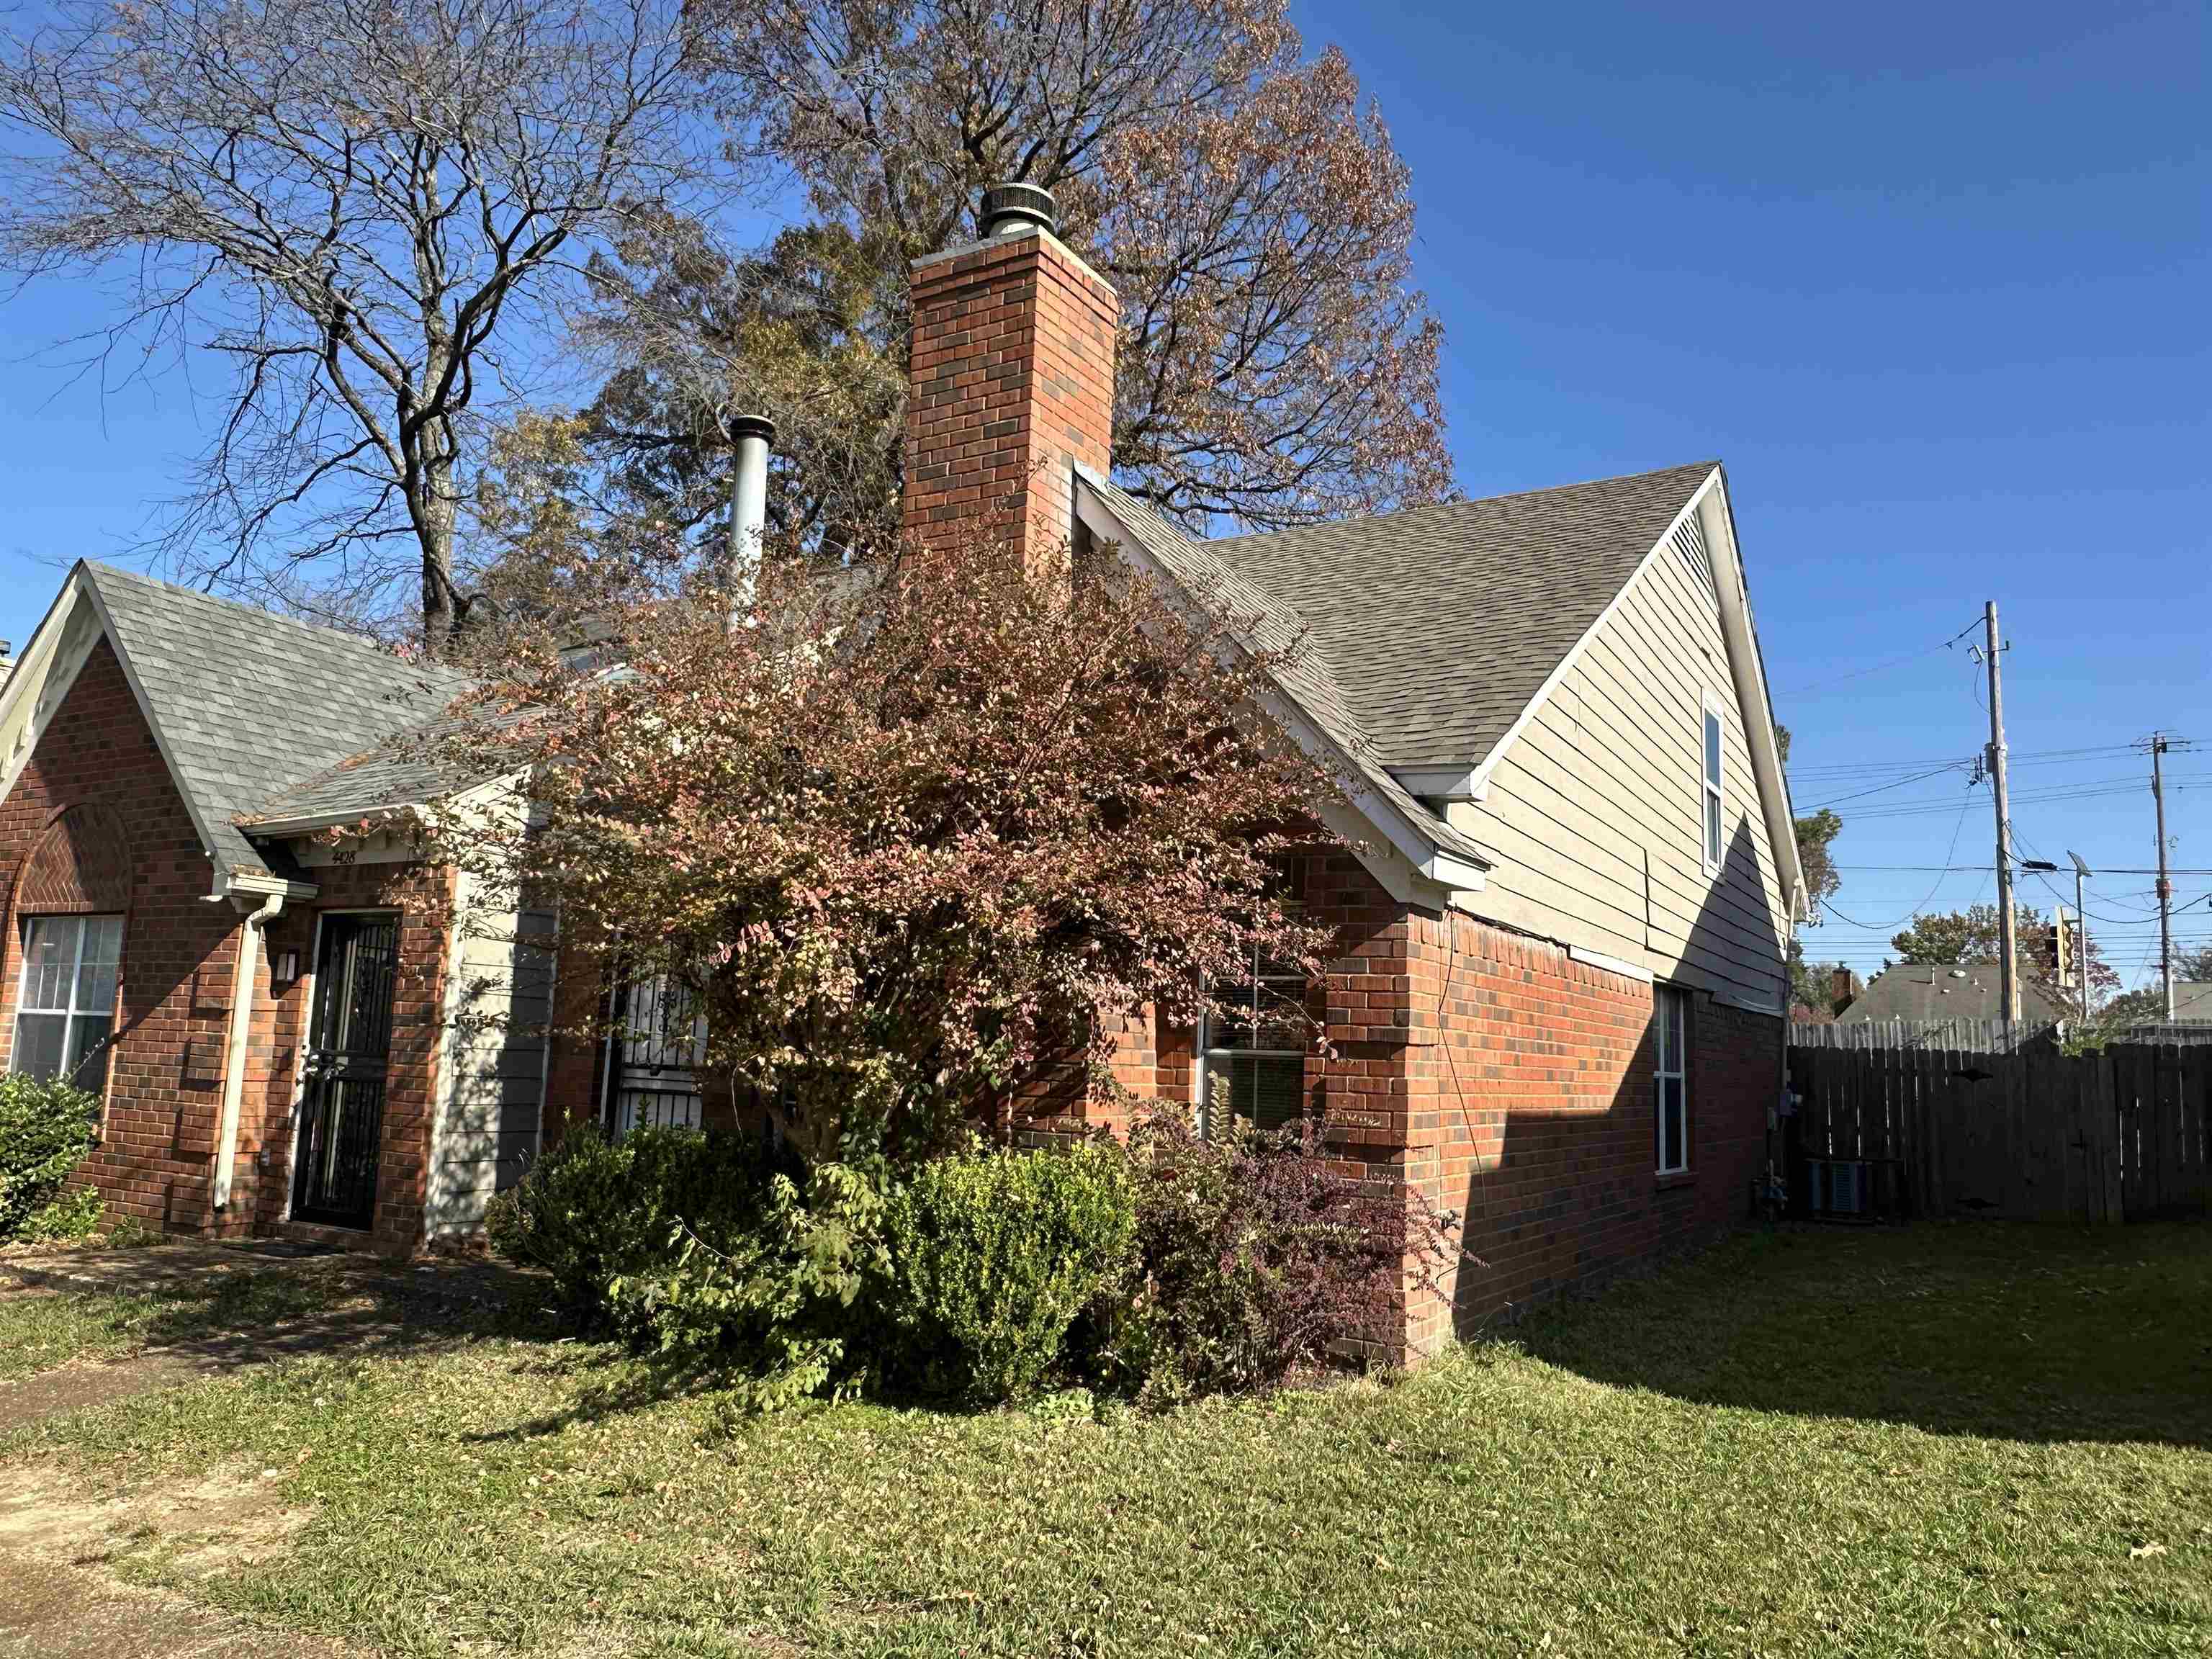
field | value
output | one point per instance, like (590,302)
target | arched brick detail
(81,863)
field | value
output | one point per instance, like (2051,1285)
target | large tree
(1276,365)
(362,207)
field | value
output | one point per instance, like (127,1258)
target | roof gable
(1443,623)
(1304,673)
(242,702)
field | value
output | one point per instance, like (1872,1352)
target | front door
(349,1041)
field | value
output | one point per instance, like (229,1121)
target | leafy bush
(67,1220)
(772,1306)
(1257,1257)
(993,1256)
(46,1130)
(590,1213)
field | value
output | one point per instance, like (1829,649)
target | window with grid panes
(1253,1052)
(65,1005)
(1670,1023)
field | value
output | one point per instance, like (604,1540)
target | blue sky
(1930,280)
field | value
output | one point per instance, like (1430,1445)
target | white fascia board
(1450,870)
(262,884)
(314,823)
(1442,782)
(1437,871)
(1751,1005)
(1747,669)
(1566,664)
(56,652)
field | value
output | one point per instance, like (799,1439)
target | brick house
(1568,881)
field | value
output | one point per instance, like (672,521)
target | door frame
(308,985)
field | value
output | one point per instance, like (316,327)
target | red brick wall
(164,1086)
(1511,1086)
(165,1073)
(1531,1110)
(1011,371)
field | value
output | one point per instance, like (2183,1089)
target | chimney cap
(752,425)
(1015,209)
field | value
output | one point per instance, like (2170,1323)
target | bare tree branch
(352,203)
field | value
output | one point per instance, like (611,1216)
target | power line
(1883,667)
(1915,778)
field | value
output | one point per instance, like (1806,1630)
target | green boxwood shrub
(46,1130)
(990,1259)
(591,1212)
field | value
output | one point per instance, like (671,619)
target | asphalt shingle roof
(1918,991)
(1439,624)
(394,772)
(1303,668)
(248,703)
(2192,1001)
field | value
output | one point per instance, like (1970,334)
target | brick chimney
(1012,378)
(1842,988)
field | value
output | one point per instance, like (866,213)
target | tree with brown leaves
(1276,366)
(904,834)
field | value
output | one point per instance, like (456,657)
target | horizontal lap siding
(1608,775)
(501,1003)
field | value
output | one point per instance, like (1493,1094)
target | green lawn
(1969,1439)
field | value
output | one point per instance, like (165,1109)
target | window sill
(1667,1183)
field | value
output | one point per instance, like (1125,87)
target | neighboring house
(1569,880)
(2192,1002)
(1924,993)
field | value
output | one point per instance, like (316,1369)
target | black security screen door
(342,1116)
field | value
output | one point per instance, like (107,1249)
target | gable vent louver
(1689,539)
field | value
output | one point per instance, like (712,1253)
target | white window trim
(1712,791)
(1669,998)
(70,1013)
(1208,1051)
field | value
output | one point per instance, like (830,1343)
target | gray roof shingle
(1439,624)
(1921,990)
(248,703)
(1303,668)
(406,768)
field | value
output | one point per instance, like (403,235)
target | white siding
(1594,813)
(498,1003)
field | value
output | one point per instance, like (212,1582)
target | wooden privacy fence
(2034,1134)
(1973,1034)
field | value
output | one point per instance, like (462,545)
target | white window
(1714,847)
(1252,1054)
(65,1007)
(1670,1027)
(1252,1064)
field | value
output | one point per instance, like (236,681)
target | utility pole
(2165,886)
(2007,928)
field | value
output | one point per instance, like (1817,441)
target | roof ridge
(1469,501)
(321,631)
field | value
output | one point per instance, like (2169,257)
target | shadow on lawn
(2009,1331)
(221,1316)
